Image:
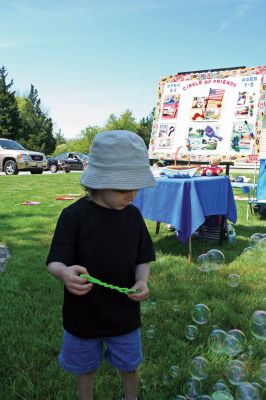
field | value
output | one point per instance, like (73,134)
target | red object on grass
(65,198)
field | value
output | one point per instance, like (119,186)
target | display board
(210,113)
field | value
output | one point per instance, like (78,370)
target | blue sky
(89,58)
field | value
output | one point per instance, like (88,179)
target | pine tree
(59,137)
(37,126)
(10,122)
(145,127)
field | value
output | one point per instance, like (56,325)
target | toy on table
(159,163)
(213,169)
(108,285)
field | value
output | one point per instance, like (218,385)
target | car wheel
(53,168)
(10,168)
(67,170)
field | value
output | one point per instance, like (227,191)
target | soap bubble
(203,397)
(258,324)
(203,263)
(220,386)
(233,280)
(174,371)
(232,345)
(235,342)
(179,397)
(246,391)
(150,332)
(191,332)
(235,372)
(239,335)
(192,388)
(216,340)
(262,371)
(176,307)
(261,245)
(199,368)
(255,238)
(249,252)
(222,395)
(200,314)
(165,379)
(212,260)
(257,386)
(216,259)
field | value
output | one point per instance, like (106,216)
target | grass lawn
(31,299)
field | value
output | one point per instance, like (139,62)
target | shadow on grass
(167,243)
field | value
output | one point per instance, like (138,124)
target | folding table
(185,202)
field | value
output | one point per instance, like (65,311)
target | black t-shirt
(109,243)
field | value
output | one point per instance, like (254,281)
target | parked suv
(14,158)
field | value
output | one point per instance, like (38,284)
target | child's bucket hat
(118,160)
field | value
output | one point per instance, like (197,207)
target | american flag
(216,94)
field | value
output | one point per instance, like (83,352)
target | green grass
(31,299)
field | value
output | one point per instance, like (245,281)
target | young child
(104,235)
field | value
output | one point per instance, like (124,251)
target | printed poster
(207,108)
(166,135)
(242,136)
(204,137)
(210,113)
(170,106)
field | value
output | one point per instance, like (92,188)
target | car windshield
(64,156)
(83,156)
(10,145)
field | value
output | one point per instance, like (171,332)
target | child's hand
(143,289)
(73,282)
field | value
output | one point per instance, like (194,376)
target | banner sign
(216,113)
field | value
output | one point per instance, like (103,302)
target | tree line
(22,119)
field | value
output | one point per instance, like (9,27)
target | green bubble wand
(108,285)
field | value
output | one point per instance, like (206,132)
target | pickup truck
(15,158)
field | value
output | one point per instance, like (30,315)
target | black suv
(71,161)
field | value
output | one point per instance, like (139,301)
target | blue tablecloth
(184,203)
(261,187)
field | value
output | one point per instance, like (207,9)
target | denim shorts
(80,356)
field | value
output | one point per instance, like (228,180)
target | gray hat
(118,160)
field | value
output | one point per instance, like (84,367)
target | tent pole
(254,181)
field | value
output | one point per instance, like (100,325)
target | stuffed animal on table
(213,168)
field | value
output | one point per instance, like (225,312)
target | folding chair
(258,196)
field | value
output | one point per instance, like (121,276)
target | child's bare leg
(130,384)
(85,386)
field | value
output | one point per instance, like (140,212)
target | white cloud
(240,11)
